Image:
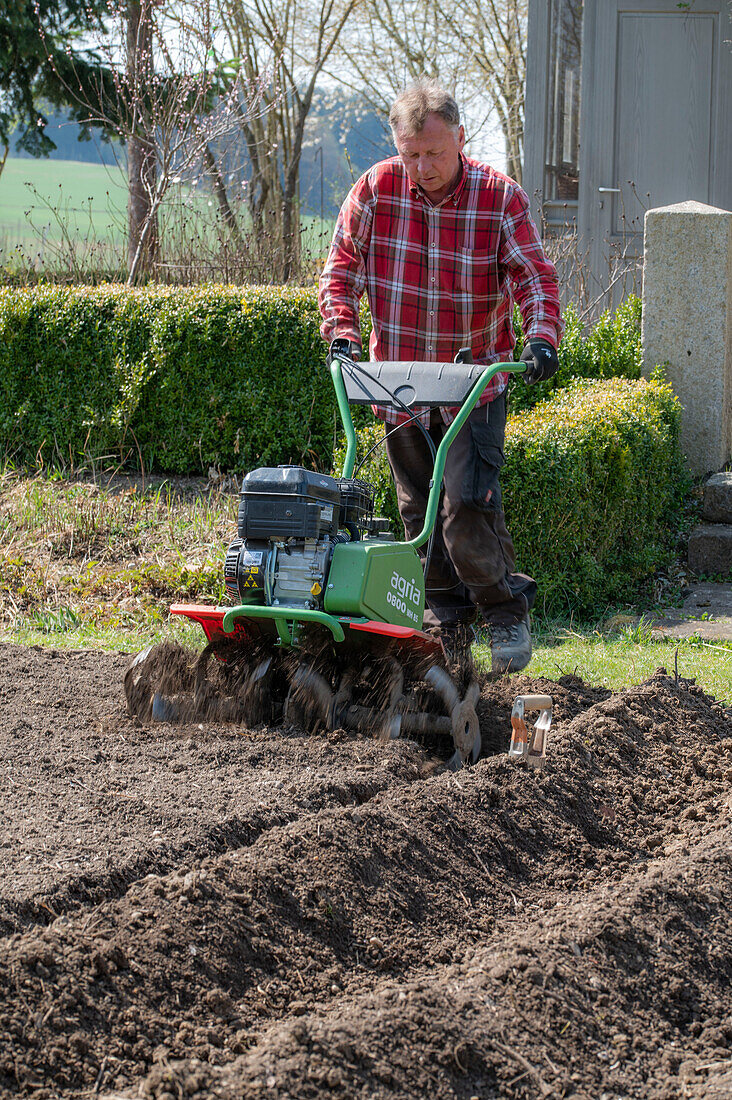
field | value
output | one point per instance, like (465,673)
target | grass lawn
(44,201)
(617,659)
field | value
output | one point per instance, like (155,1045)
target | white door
(656,122)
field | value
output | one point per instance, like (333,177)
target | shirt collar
(453,198)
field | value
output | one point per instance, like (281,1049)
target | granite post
(687,322)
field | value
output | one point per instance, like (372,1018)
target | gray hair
(412,107)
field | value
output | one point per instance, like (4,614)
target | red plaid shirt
(441,277)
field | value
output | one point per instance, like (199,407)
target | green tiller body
(310,561)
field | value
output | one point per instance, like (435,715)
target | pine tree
(40,40)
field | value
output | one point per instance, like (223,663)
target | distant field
(38,197)
(43,202)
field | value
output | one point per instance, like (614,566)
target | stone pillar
(687,322)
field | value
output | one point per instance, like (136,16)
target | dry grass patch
(110,549)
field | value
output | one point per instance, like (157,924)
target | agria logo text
(402,594)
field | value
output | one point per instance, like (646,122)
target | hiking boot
(510,646)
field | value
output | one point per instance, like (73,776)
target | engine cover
(286,502)
(289,524)
(377,580)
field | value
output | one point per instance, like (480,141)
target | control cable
(412,417)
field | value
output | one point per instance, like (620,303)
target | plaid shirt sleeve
(534,278)
(343,280)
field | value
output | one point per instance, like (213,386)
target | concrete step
(717,506)
(707,612)
(710,548)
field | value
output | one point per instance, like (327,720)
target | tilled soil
(201,910)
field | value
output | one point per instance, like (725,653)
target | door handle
(609,190)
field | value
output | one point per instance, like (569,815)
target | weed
(112,550)
(53,622)
(639,634)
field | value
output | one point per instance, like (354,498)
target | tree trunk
(514,167)
(222,198)
(143,241)
(514,142)
(291,224)
(291,206)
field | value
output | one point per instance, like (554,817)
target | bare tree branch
(166,101)
(477,50)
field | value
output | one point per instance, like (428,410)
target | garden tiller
(326,624)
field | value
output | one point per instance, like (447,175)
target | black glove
(541,360)
(342,348)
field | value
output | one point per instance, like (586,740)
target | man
(443,245)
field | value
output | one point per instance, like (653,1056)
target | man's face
(432,157)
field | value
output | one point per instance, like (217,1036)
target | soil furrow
(321,912)
(92,800)
(625,992)
(86,890)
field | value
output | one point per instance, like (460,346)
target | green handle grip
(344,409)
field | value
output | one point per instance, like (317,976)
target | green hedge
(183,378)
(592,487)
(610,349)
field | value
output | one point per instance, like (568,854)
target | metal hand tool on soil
(530,745)
(326,624)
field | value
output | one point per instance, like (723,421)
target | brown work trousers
(472,562)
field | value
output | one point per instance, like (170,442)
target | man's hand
(541,361)
(342,348)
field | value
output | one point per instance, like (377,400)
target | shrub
(592,484)
(594,479)
(611,349)
(178,378)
